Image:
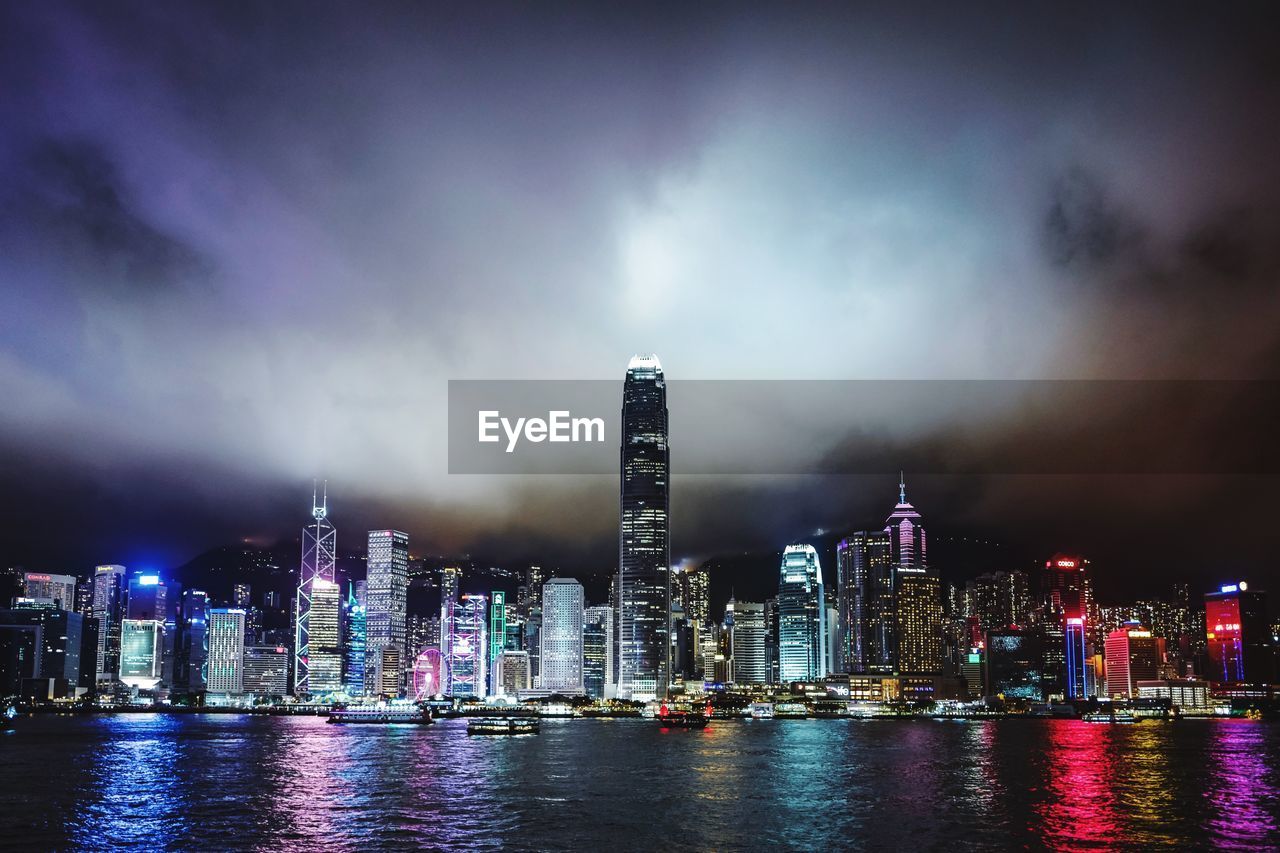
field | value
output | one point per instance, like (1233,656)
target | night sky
(244,246)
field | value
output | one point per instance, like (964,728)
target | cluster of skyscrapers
(885,627)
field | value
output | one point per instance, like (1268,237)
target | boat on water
(790,711)
(1110,717)
(385,714)
(679,718)
(503,726)
(760,710)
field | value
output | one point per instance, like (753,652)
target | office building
(513,673)
(464,645)
(225,661)
(744,623)
(266,671)
(354,648)
(1063,600)
(802,614)
(386,610)
(597,651)
(1238,636)
(644,534)
(140,653)
(1132,655)
(319,556)
(1015,665)
(561,637)
(326,653)
(58,590)
(864,598)
(108,608)
(45,643)
(190,642)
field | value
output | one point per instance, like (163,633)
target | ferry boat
(674,718)
(760,710)
(790,710)
(503,726)
(1110,717)
(384,714)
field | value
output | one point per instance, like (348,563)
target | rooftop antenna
(902,488)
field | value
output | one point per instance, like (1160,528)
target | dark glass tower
(644,538)
(864,573)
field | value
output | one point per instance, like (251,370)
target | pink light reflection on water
(1242,792)
(1080,809)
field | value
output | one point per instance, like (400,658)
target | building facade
(802,612)
(561,638)
(644,534)
(319,558)
(386,611)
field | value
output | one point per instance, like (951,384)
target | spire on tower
(902,488)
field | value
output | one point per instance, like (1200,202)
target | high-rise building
(1132,655)
(597,651)
(386,610)
(326,651)
(919,619)
(1238,635)
(225,663)
(917,592)
(744,622)
(1062,586)
(108,609)
(354,645)
(463,644)
(1015,664)
(561,638)
(802,615)
(54,638)
(513,673)
(999,600)
(865,599)
(644,534)
(59,590)
(190,642)
(141,660)
(266,670)
(319,557)
(497,632)
(450,584)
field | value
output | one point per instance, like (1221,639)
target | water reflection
(1242,789)
(1079,807)
(132,789)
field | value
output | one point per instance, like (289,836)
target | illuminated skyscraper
(266,670)
(497,633)
(450,582)
(597,651)
(386,610)
(906,533)
(917,591)
(864,577)
(354,640)
(464,646)
(644,536)
(108,609)
(513,673)
(225,664)
(561,638)
(802,616)
(1063,602)
(59,590)
(319,554)
(140,659)
(1132,655)
(326,638)
(1238,637)
(744,623)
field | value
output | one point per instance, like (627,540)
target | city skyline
(925,196)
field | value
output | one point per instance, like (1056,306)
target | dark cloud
(69,193)
(247,245)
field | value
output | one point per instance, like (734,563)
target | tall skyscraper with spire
(644,557)
(917,591)
(319,556)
